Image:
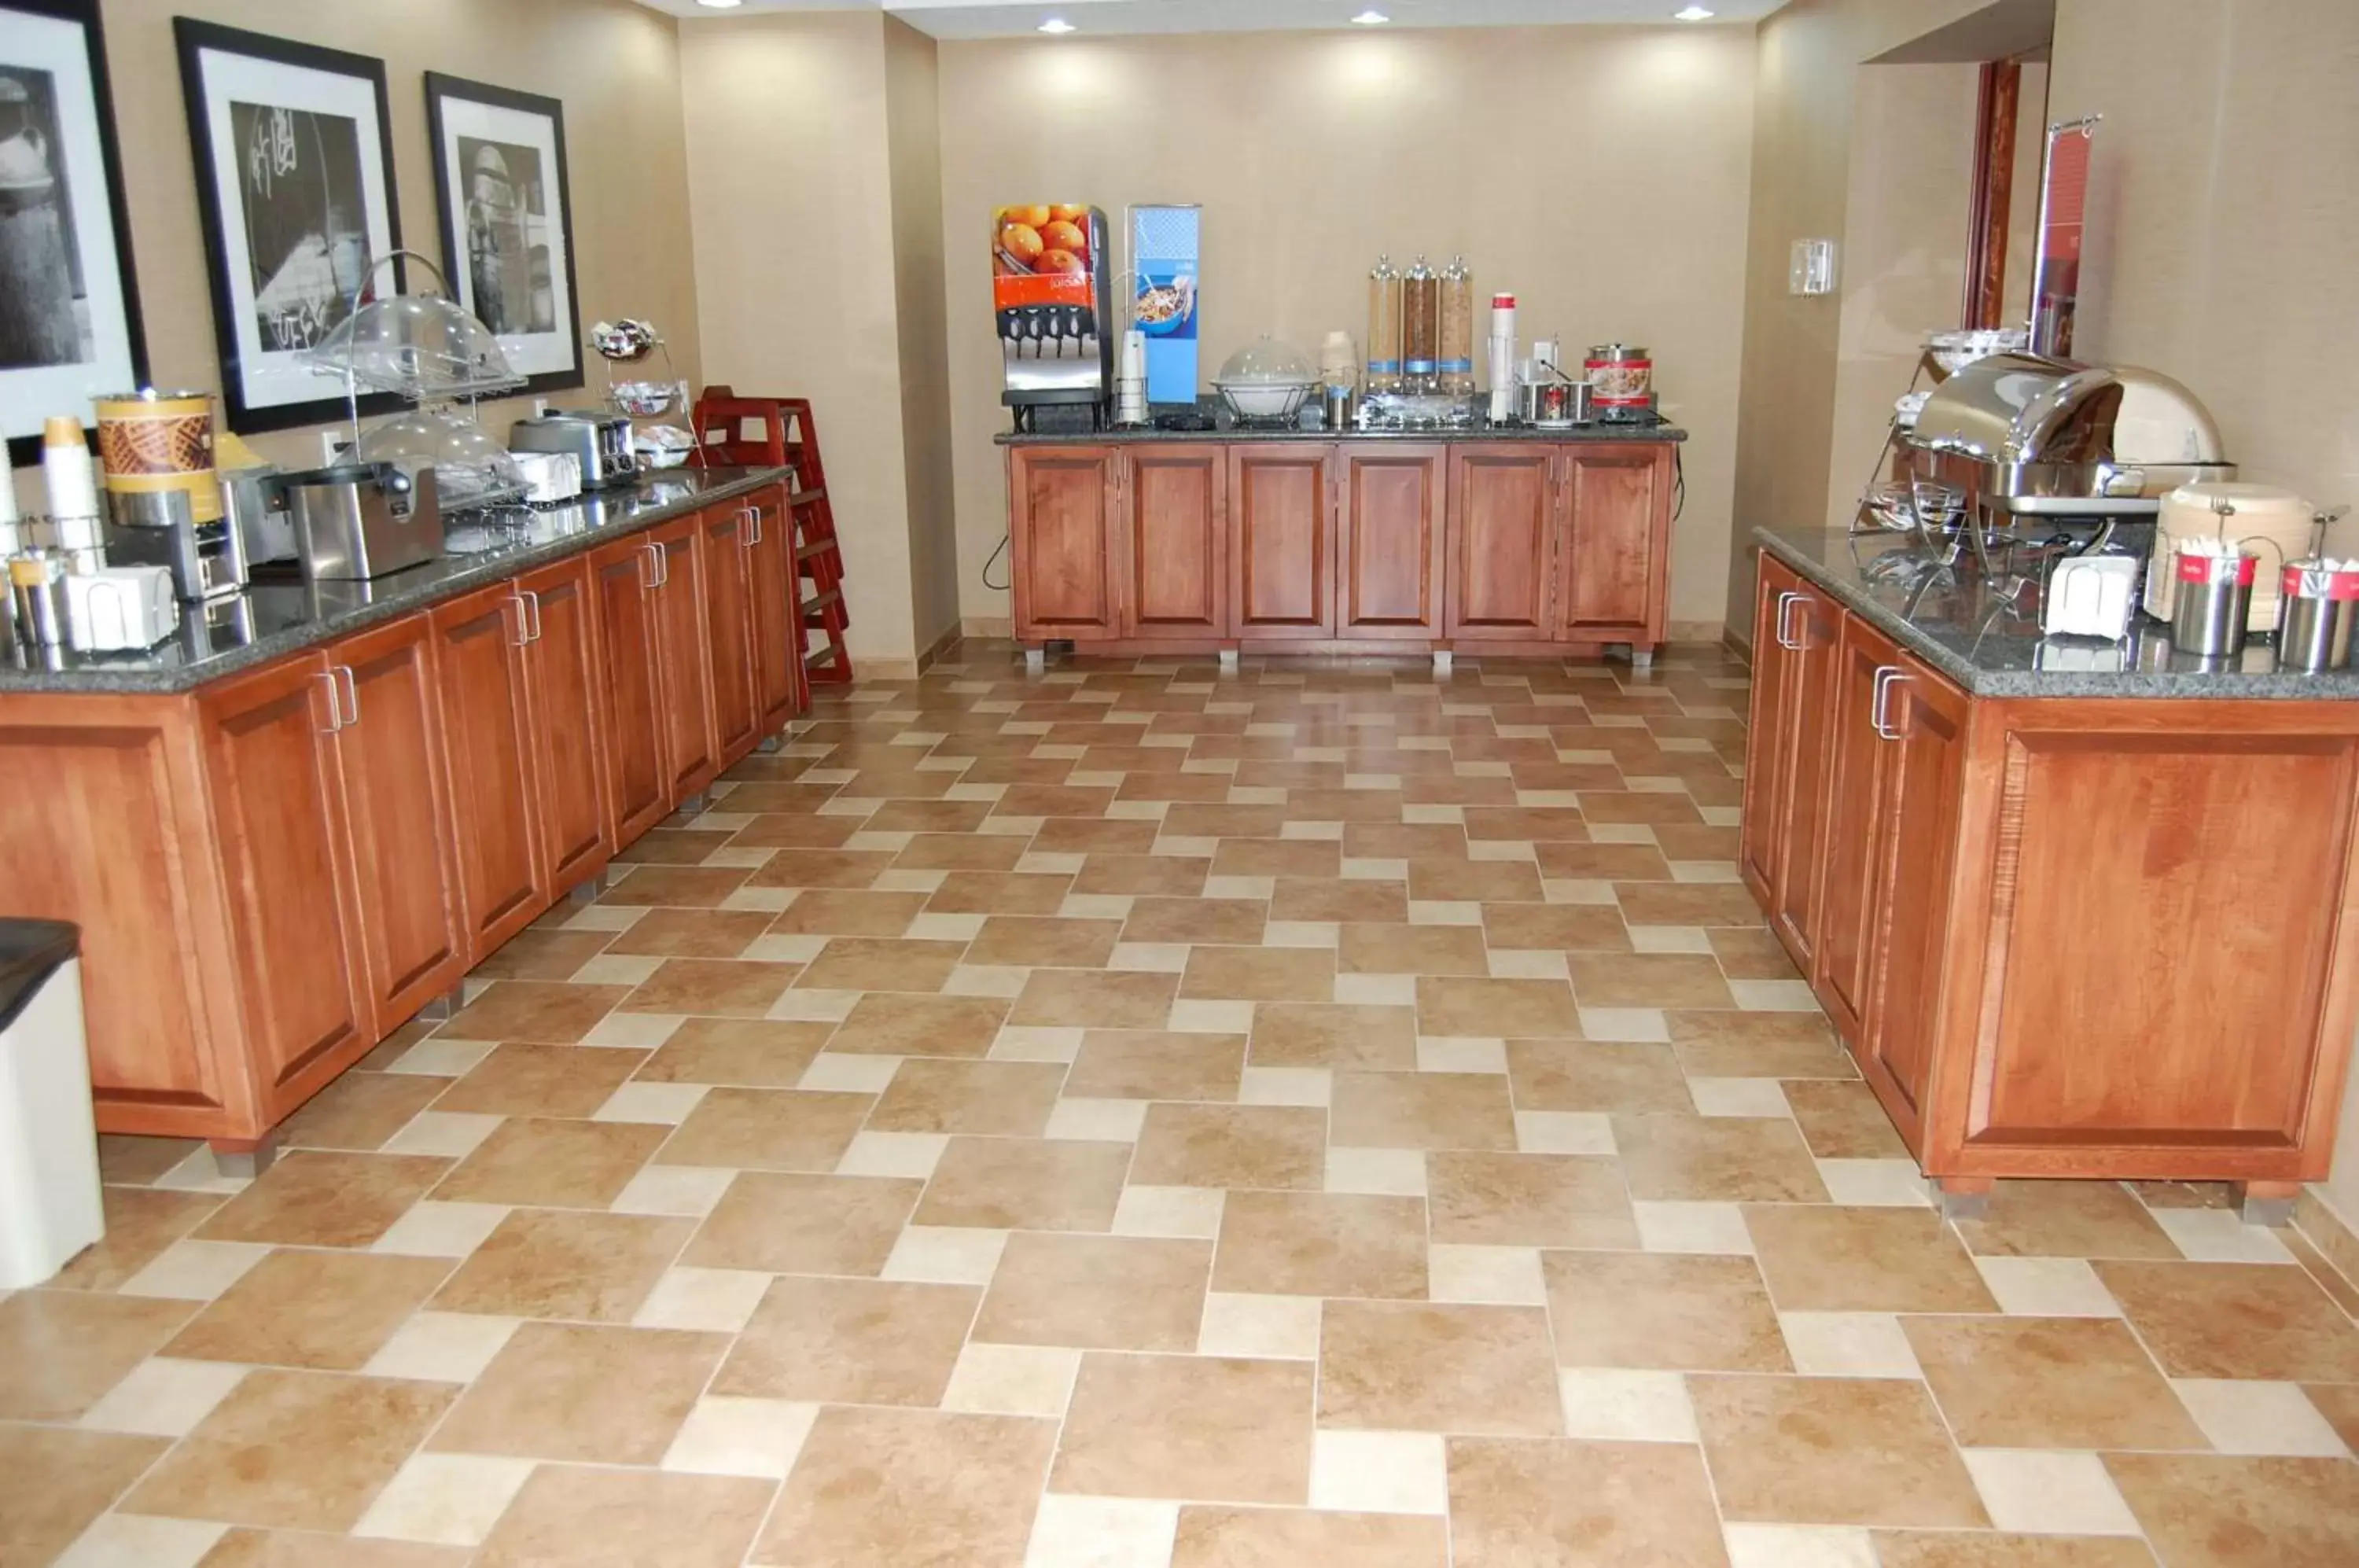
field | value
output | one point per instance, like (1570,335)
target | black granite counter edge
(1789,547)
(476,572)
(1574,434)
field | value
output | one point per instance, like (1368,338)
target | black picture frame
(25,447)
(563,330)
(245,364)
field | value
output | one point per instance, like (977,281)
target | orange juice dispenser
(1051,291)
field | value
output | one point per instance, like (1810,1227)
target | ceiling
(958,19)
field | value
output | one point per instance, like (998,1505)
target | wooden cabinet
(480,643)
(1389,545)
(637,785)
(1282,540)
(1059,513)
(1795,632)
(683,670)
(1848,876)
(1503,525)
(1171,531)
(726,548)
(776,629)
(568,761)
(1615,560)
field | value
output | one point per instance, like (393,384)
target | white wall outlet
(1812,270)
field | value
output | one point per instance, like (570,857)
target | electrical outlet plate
(1812,269)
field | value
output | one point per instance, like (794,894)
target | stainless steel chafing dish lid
(2023,408)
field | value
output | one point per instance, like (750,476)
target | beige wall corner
(790,189)
(913,149)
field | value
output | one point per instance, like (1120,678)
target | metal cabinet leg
(1228,661)
(444,1007)
(244,1158)
(586,891)
(1036,661)
(1964,1197)
(770,743)
(1442,660)
(1641,658)
(2269,1203)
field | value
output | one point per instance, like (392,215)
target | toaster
(600,442)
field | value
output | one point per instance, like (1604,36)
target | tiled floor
(1137,1117)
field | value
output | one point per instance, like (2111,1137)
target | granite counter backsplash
(271,619)
(1990,643)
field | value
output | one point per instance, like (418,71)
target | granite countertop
(1992,646)
(1126,437)
(272,619)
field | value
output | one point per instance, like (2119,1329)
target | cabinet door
(568,739)
(1851,862)
(1768,736)
(1617,529)
(683,663)
(1920,836)
(1502,540)
(1799,805)
(623,575)
(778,649)
(1282,539)
(727,549)
(1058,526)
(287,863)
(1389,545)
(495,777)
(396,790)
(1173,531)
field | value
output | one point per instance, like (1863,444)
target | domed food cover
(1265,362)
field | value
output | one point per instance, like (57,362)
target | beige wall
(1313,152)
(613,63)
(913,148)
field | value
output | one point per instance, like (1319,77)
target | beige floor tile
(1499,1010)
(820,912)
(1232,1146)
(1715,1160)
(1580,1503)
(2241,1416)
(1757,1045)
(2217,1511)
(1086,1000)
(1842,1120)
(546,1264)
(1423,1110)
(2227,1320)
(1878,1454)
(141,1224)
(2049,1492)
(441,1347)
(59,1480)
(1380,1472)
(1010,1099)
(1156,1064)
(1675,904)
(1214,1537)
(326,1309)
(447,1498)
(551,1163)
(60,1350)
(1010,1184)
(1091,1292)
(135,1162)
(1573,1075)
(1283,1327)
(1679,1312)
(877,964)
(1749,954)
(540,1080)
(2066,1219)
(725,1436)
(1626,1405)
(1295,1034)
(788,1224)
(1204,1428)
(851,1341)
(2339,1403)
(1321,1243)
(1527,1200)
(566,1513)
(359,1111)
(886,1485)
(1849,1344)
(2048,1383)
(315,1199)
(1012,1380)
(928,1254)
(1394,1366)
(767,1129)
(535,1011)
(1980,1548)
(162,1397)
(551,1394)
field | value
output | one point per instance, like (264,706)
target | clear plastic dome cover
(1265,362)
(471,468)
(416,346)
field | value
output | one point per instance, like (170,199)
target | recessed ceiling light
(722,4)
(1370,19)
(1056,25)
(1685,13)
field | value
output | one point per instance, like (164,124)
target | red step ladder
(788,438)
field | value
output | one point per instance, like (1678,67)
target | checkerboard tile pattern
(1138,1116)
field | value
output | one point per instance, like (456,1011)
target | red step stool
(784,435)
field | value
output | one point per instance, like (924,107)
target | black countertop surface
(1594,432)
(1992,646)
(272,619)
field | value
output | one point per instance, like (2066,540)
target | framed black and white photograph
(295,184)
(508,220)
(68,308)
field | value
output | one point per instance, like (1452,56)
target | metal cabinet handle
(663,565)
(335,709)
(351,696)
(1888,676)
(750,534)
(523,618)
(659,569)
(1787,601)
(532,602)
(646,568)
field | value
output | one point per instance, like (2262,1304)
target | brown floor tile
(1008,892)
(2064,1219)
(60,1350)
(1689,904)
(675,887)
(694,933)
(1405,841)
(597,1515)
(744,1052)
(1011,1185)
(779,829)
(836,912)
(1154,876)
(1528,823)
(1452,1005)
(1412,950)
(1716,1159)
(850,869)
(1757,1045)
(1214,1537)
(1224,820)
(2211,1511)
(1077,998)
(1030,941)
(135,1162)
(1155,1064)
(804,1225)
(1678,1312)
(1232,1146)
(1423,1110)
(1336,804)
(1311,1034)
(536,1080)
(1981,1549)
(2023,1382)
(1323,899)
(1636,805)
(1572,1076)
(768,1129)
(1527,1200)
(962,852)
(923,1487)
(1678,841)
(1204,1428)
(1859,1451)
(2186,1194)
(887,1025)
(1412,1367)
(295,1450)
(1844,1120)
(1840,1259)
(533,1011)
(1522,1502)
(310,1549)
(59,1480)
(2236,1320)
(1007,1099)
(873,964)
(2339,1403)
(1235,920)
(1097,1293)
(141,1222)
(868,1341)
(714,988)
(325,1310)
(1568,927)
(1053,801)
(314,1199)
(1750,955)
(1260,974)
(603,1396)
(546,1264)
(1279,857)
(1648,980)
(1094,835)
(359,1111)
(1474,881)
(768,799)
(1603,861)
(671,847)
(1321,1243)
(929,816)
(553,1164)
